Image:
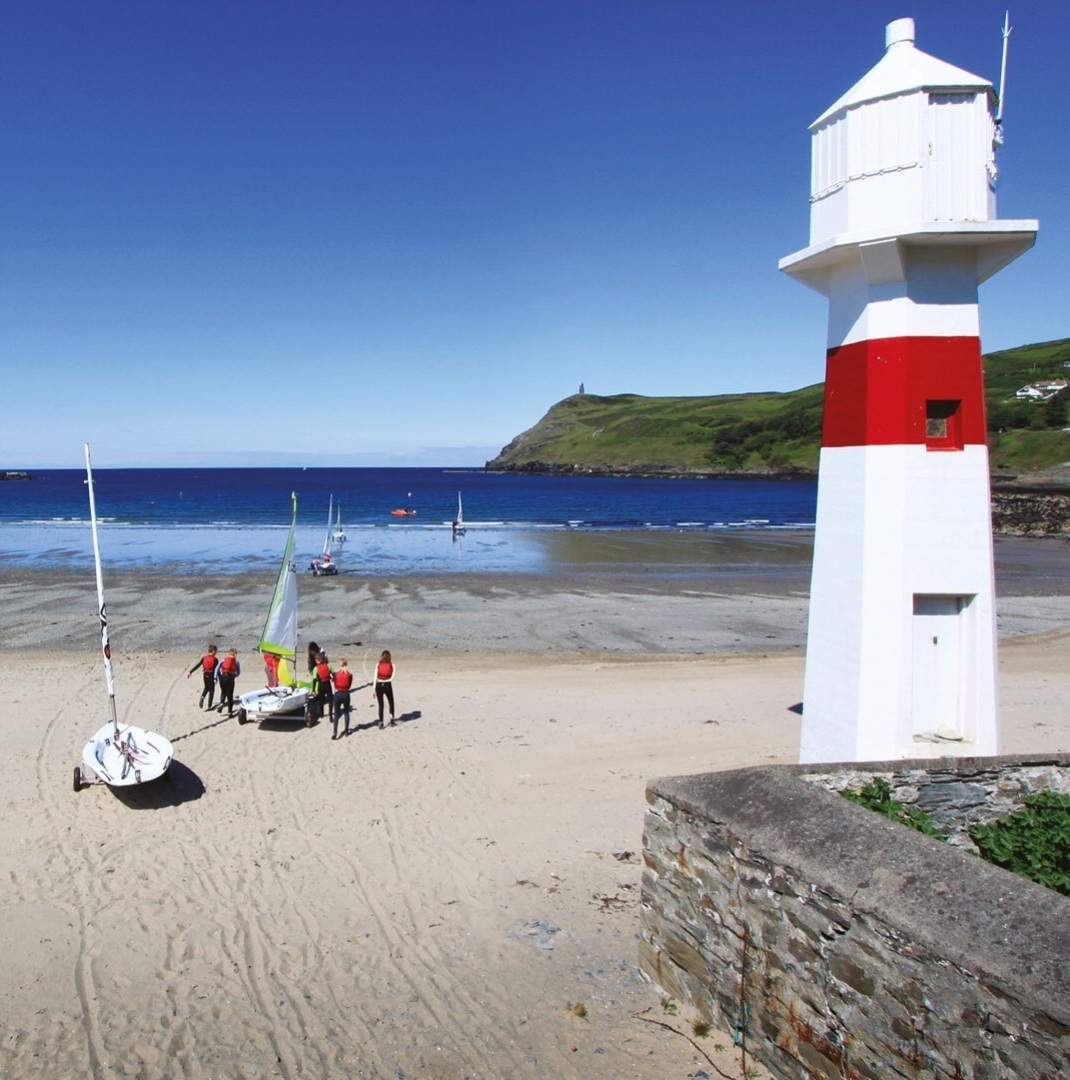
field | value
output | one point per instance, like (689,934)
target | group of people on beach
(222,671)
(331,687)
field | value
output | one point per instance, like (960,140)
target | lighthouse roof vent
(902,70)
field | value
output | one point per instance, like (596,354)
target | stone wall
(957,793)
(835,943)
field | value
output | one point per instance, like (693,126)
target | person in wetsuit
(384,685)
(229,670)
(341,703)
(206,665)
(321,685)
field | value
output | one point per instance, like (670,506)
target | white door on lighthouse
(940,660)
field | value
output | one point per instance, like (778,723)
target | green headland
(779,434)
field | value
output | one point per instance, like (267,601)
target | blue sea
(235,520)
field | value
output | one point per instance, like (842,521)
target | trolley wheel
(243,717)
(77,778)
(310,716)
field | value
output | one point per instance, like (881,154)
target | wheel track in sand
(234,882)
(416,955)
(280,791)
(259,941)
(240,961)
(410,958)
(63,888)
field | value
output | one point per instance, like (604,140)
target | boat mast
(105,646)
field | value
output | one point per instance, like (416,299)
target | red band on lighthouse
(886,391)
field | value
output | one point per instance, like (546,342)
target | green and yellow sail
(279,637)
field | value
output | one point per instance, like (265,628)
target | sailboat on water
(324,566)
(288,700)
(339,532)
(458,521)
(120,755)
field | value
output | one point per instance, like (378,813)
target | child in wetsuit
(207,664)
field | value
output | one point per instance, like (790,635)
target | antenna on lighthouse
(1003,66)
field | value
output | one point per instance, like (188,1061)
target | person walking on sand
(340,703)
(384,685)
(206,665)
(229,670)
(321,685)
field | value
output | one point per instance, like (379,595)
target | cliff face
(627,434)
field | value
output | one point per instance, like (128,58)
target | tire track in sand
(65,887)
(412,953)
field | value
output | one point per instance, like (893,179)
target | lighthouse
(901,642)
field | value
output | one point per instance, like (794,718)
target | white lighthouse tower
(901,646)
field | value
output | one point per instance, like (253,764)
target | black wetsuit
(209,679)
(226,684)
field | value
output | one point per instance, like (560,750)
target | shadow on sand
(178,785)
(404,718)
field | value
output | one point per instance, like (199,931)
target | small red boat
(402,511)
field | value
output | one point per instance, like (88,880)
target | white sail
(339,532)
(458,521)
(280,630)
(327,535)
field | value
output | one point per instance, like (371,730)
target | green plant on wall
(1033,841)
(877,795)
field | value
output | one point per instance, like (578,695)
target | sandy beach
(453,897)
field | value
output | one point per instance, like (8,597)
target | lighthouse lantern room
(901,643)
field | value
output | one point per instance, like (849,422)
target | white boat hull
(273,703)
(137,757)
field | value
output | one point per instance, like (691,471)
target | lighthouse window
(943,425)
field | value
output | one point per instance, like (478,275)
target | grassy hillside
(770,432)
(1025,436)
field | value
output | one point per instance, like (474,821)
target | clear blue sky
(238,232)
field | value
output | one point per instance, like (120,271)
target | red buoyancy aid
(343,679)
(323,673)
(385,671)
(229,666)
(208,662)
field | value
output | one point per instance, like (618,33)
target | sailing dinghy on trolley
(288,700)
(119,755)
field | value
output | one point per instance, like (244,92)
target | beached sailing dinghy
(289,700)
(119,755)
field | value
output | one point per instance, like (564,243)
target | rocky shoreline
(1031,511)
(1035,506)
(645,472)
